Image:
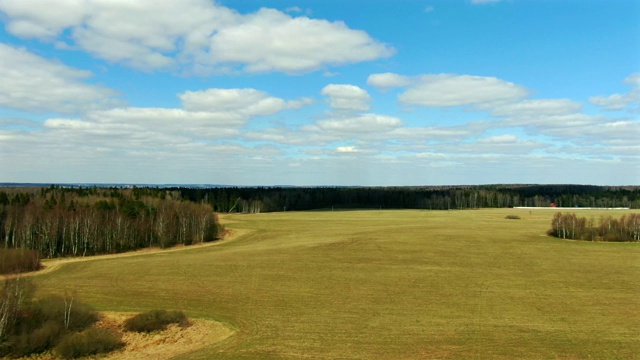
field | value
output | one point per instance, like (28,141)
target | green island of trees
(570,226)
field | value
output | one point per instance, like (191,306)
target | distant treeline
(88,221)
(569,226)
(269,199)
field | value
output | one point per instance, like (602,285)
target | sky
(320,92)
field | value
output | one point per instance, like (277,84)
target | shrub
(37,341)
(512,217)
(89,342)
(38,326)
(71,314)
(19,260)
(155,320)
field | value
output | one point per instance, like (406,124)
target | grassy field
(387,285)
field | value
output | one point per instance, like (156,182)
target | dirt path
(166,344)
(50,265)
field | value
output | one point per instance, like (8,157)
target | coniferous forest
(269,199)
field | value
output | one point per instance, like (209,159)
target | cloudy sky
(320,92)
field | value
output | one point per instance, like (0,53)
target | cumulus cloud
(347,97)
(31,83)
(542,107)
(389,80)
(245,102)
(187,134)
(499,144)
(207,114)
(346,149)
(455,90)
(436,134)
(620,101)
(270,40)
(364,123)
(299,103)
(196,35)
(446,90)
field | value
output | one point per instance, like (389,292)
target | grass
(387,285)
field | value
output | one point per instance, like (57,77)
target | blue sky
(320,92)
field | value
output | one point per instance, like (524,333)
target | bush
(37,341)
(512,217)
(89,342)
(80,315)
(19,260)
(38,326)
(155,320)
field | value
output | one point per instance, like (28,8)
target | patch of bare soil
(173,341)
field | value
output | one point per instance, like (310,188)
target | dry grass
(386,285)
(173,341)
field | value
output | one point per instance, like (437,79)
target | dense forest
(268,199)
(58,221)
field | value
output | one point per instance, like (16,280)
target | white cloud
(456,90)
(446,90)
(388,80)
(620,101)
(541,107)
(245,102)
(38,18)
(436,134)
(500,139)
(196,35)
(500,144)
(270,40)
(346,149)
(347,97)
(565,121)
(31,83)
(299,103)
(365,123)
(162,132)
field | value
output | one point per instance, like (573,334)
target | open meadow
(385,285)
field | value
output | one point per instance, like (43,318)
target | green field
(387,285)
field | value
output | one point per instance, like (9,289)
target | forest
(269,199)
(58,222)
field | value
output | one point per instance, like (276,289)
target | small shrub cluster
(155,320)
(89,342)
(29,326)
(38,326)
(512,217)
(14,261)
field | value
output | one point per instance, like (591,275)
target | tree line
(78,222)
(270,199)
(607,228)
